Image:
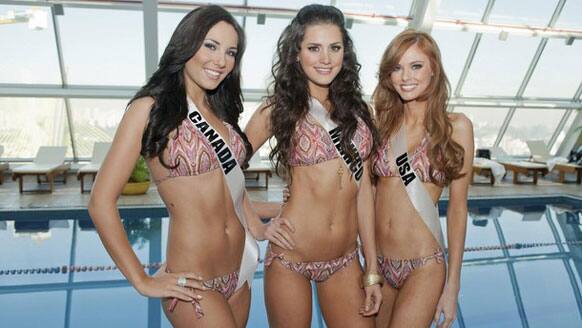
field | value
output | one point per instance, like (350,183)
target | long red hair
(444,153)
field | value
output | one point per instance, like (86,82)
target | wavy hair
(444,153)
(167,86)
(289,98)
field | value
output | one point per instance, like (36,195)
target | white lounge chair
(489,167)
(100,150)
(49,162)
(540,153)
(3,166)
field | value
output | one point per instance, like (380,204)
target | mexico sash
(355,164)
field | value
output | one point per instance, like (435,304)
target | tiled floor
(68,195)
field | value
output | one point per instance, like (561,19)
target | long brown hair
(444,153)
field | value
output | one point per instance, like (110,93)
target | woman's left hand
(373,300)
(448,307)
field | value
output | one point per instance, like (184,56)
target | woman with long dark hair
(184,122)
(324,135)
(423,149)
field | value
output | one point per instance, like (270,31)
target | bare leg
(389,295)
(240,303)
(417,299)
(217,312)
(340,298)
(287,297)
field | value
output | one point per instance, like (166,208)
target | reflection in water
(501,287)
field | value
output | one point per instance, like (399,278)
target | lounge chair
(540,153)
(100,150)
(489,167)
(257,167)
(3,166)
(49,162)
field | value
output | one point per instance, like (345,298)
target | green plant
(140,171)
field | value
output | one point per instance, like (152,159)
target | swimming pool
(523,268)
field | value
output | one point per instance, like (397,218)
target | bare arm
(457,222)
(366,217)
(457,208)
(258,129)
(112,176)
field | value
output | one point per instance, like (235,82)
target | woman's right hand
(165,285)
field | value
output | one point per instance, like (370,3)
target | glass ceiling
(73,73)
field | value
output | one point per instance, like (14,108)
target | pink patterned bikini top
(192,154)
(419,160)
(313,145)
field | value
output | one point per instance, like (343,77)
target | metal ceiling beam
(423,13)
(150,31)
(62,70)
(532,66)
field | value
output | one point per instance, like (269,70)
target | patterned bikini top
(419,160)
(193,155)
(313,145)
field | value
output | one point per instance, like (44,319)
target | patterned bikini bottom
(397,271)
(317,271)
(225,285)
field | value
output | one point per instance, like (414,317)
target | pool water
(502,286)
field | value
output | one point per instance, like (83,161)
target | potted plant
(139,181)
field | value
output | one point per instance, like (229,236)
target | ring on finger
(181,282)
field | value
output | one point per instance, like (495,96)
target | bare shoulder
(141,106)
(461,123)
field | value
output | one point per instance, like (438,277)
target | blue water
(528,287)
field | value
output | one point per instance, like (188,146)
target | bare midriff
(400,231)
(323,214)
(205,236)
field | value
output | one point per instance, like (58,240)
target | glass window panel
(167,23)
(462,9)
(488,307)
(99,53)
(290,4)
(32,310)
(570,15)
(28,54)
(499,66)
(529,124)
(547,294)
(454,48)
(95,120)
(486,123)
(28,123)
(370,41)
(559,71)
(261,47)
(522,12)
(562,133)
(378,7)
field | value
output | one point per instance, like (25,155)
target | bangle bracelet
(370,279)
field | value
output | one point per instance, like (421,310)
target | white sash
(355,165)
(416,191)
(235,181)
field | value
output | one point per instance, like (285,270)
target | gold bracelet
(370,279)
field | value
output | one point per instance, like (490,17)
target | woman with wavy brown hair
(423,149)
(324,135)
